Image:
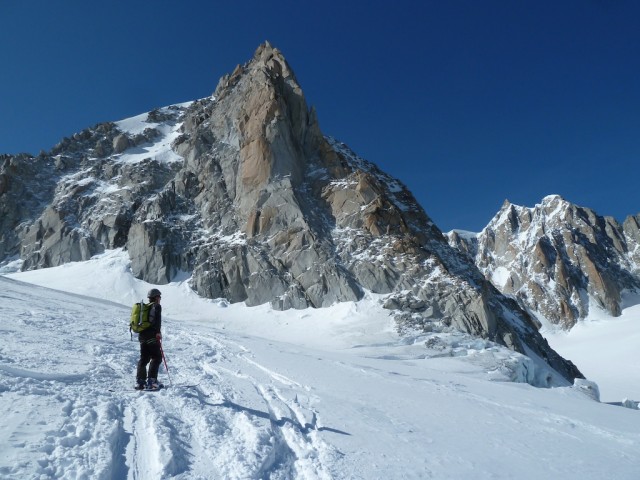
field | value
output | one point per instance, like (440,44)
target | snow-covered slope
(605,348)
(258,393)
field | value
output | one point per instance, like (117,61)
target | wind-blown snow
(160,149)
(138,124)
(257,394)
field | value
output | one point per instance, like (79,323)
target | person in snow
(150,345)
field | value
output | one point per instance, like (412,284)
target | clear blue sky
(468,103)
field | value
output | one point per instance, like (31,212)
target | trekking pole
(165,363)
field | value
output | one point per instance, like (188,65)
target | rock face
(558,259)
(244,193)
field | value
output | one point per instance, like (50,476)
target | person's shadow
(304,429)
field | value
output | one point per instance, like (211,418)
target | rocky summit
(557,259)
(242,193)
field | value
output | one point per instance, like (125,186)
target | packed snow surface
(260,394)
(606,349)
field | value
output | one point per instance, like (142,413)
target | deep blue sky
(468,103)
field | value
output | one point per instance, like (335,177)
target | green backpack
(140,317)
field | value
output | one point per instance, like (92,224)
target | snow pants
(149,352)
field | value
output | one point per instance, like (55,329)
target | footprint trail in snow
(226,416)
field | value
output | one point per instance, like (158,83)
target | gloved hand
(158,336)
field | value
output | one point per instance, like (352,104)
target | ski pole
(165,362)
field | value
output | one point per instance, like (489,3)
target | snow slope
(607,349)
(160,149)
(312,394)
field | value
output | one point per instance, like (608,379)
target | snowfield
(255,393)
(606,349)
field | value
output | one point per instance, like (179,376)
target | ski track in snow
(249,407)
(226,416)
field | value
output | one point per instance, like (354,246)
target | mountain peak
(272,58)
(265,51)
(258,206)
(552,204)
(268,65)
(552,198)
(558,259)
(262,108)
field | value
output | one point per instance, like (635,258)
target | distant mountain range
(242,193)
(557,259)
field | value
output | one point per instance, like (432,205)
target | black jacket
(155,318)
